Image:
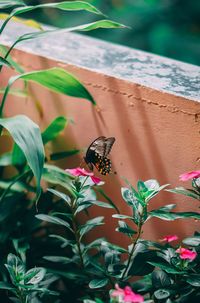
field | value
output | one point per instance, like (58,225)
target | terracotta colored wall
(157,136)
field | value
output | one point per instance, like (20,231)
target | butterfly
(96,154)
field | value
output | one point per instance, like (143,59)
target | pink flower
(190,175)
(78,171)
(170,238)
(186,254)
(126,294)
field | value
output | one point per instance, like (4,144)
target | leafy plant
(20,191)
(26,285)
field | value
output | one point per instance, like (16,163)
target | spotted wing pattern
(97,152)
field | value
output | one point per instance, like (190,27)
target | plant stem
(133,248)
(74,225)
(76,233)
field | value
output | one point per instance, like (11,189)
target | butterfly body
(97,152)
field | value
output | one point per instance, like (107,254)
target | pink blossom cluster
(186,254)
(78,171)
(126,294)
(190,175)
(170,238)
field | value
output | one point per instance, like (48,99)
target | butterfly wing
(103,165)
(108,145)
(97,152)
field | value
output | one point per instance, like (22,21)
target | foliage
(21,189)
(47,252)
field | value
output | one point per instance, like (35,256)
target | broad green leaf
(64,154)
(166,267)
(34,275)
(27,136)
(192,241)
(65,6)
(98,283)
(139,264)
(53,130)
(160,279)
(4,62)
(54,220)
(18,157)
(55,79)
(9,3)
(194,280)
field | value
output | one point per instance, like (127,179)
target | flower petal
(78,171)
(190,175)
(186,254)
(96,180)
(170,238)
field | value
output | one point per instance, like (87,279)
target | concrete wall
(148,103)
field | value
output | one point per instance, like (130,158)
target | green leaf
(34,275)
(58,176)
(102,193)
(59,259)
(65,6)
(192,241)
(53,130)
(185,192)
(122,217)
(64,154)
(171,216)
(161,294)
(166,267)
(9,3)
(27,136)
(140,265)
(60,195)
(125,229)
(54,220)
(194,280)
(7,286)
(55,79)
(90,224)
(160,279)
(4,62)
(14,64)
(98,283)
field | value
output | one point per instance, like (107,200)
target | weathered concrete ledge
(118,61)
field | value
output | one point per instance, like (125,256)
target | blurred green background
(166,27)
